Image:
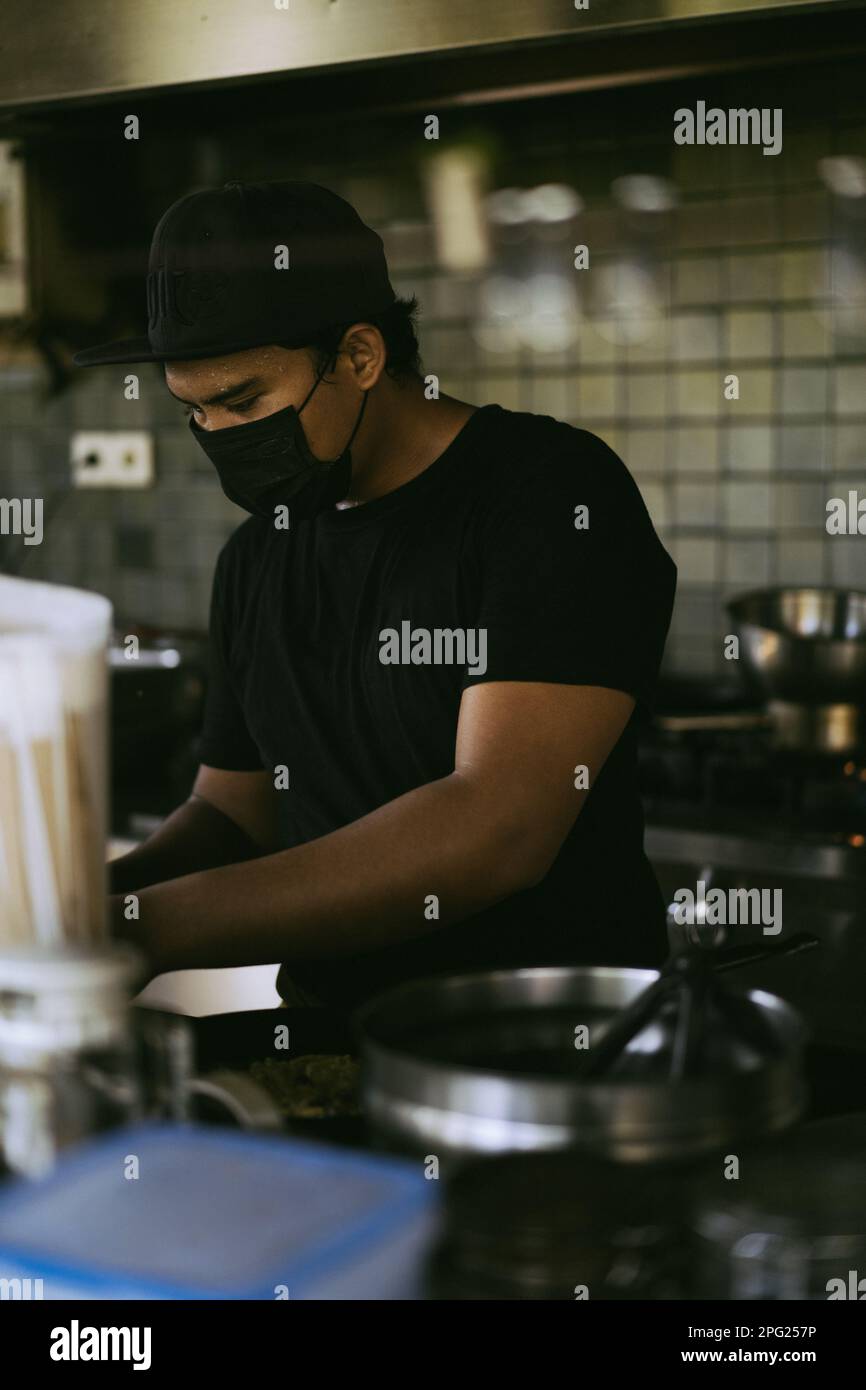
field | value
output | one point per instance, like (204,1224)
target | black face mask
(267,463)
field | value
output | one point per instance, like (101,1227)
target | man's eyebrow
(226,394)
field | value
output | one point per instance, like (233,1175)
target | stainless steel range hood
(87,49)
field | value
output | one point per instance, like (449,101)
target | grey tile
(752,276)
(849,448)
(746,505)
(598,396)
(850,389)
(138,505)
(19,407)
(753,220)
(847,561)
(133,548)
(849,329)
(554,395)
(453,345)
(799,505)
(62,546)
(803,334)
(177,456)
(452,297)
(805,216)
(844,266)
(749,334)
(696,557)
(757,392)
(697,280)
(802,448)
(138,595)
(97,542)
(746,562)
(697,613)
(695,448)
(653,344)
(697,393)
(749,448)
(800,560)
(695,337)
(172,545)
(748,166)
(646,452)
(699,656)
(178,600)
(598,342)
(802,273)
(696,504)
(803,390)
(504,390)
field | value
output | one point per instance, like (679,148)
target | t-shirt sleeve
(576,587)
(225,741)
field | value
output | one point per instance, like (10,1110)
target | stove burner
(730,761)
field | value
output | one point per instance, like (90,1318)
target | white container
(53,762)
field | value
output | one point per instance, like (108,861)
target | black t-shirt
(485,538)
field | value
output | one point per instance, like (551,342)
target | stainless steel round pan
(487,1063)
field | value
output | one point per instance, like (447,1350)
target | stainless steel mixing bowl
(805,646)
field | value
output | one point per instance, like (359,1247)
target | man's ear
(365,349)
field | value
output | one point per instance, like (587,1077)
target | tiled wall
(751,277)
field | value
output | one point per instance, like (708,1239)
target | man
(432,643)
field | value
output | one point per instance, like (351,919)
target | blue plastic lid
(211,1213)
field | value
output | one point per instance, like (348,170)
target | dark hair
(397,326)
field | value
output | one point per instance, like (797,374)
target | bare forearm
(194,837)
(357,889)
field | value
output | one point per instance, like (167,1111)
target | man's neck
(407,433)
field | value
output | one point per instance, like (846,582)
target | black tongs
(687,983)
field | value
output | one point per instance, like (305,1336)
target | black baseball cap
(213,282)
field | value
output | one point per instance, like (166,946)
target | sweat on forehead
(219,374)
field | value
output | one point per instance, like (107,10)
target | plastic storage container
(217,1215)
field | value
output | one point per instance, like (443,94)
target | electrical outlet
(112,458)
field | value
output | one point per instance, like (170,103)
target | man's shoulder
(540,453)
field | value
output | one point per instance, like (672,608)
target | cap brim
(123,350)
(139,350)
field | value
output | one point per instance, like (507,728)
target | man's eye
(239,408)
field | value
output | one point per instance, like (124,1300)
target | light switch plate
(112,458)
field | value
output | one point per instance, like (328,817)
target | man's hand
(489,829)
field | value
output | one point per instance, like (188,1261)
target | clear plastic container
(53,762)
(68,1055)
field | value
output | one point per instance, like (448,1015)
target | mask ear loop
(311,390)
(357,424)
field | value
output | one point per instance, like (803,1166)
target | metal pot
(488,1064)
(804,646)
